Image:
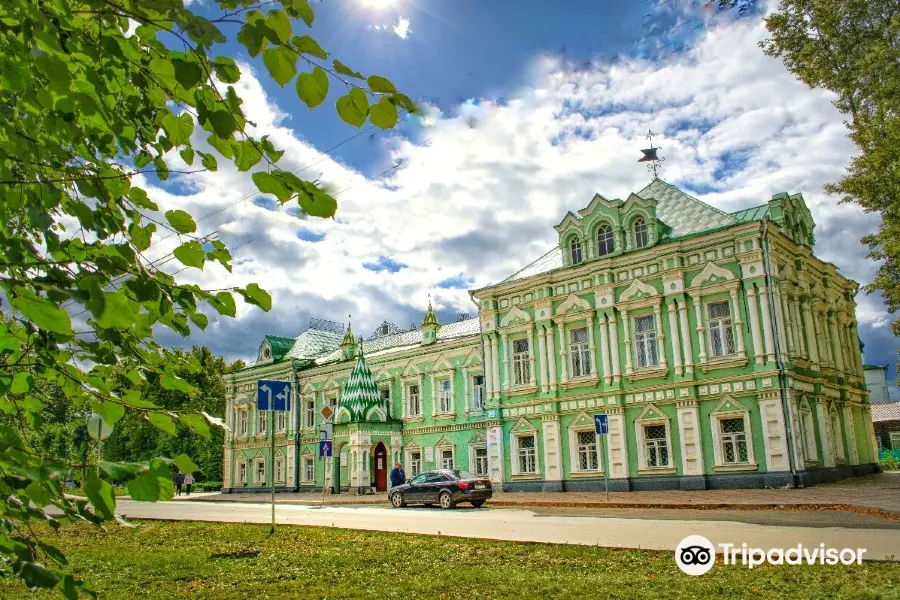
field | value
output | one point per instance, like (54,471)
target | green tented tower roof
(361,394)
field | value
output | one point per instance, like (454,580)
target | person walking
(179,481)
(188,482)
(398,477)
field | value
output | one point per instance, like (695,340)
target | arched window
(605,243)
(640,233)
(575,250)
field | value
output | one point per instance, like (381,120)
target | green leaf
(313,87)
(190,254)
(178,129)
(223,123)
(224,304)
(133,399)
(163,422)
(271,183)
(41,311)
(350,112)
(164,72)
(378,83)
(281,63)
(258,296)
(54,553)
(305,12)
(151,486)
(383,114)
(111,412)
(140,236)
(172,382)
(197,423)
(122,470)
(199,319)
(187,155)
(181,221)
(253,38)
(317,203)
(21,383)
(187,73)
(343,69)
(185,464)
(208,161)
(101,495)
(246,154)
(226,69)
(278,22)
(306,45)
(36,575)
(119,311)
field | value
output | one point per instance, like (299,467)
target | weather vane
(651,157)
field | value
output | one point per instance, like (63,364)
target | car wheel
(445,500)
(477,503)
(397,500)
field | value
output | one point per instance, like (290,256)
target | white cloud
(402,28)
(480,199)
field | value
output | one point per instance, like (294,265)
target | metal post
(605,472)
(271,425)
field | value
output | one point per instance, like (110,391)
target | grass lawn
(211,560)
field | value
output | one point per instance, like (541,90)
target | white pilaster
(825,434)
(767,328)
(836,343)
(563,354)
(676,346)
(551,355)
(686,338)
(738,325)
(495,364)
(617,447)
(488,369)
(552,449)
(754,324)
(592,345)
(701,330)
(627,339)
(660,337)
(614,347)
(532,379)
(504,343)
(691,443)
(495,453)
(775,435)
(604,348)
(542,355)
(853,454)
(809,329)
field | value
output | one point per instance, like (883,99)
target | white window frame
(257,463)
(514,441)
(715,425)
(611,239)
(414,465)
(408,399)
(521,362)
(443,395)
(582,349)
(439,456)
(262,422)
(280,421)
(474,459)
(307,463)
(309,413)
(244,421)
(636,235)
(280,473)
(643,466)
(575,450)
(894,439)
(478,393)
(647,340)
(722,325)
(386,387)
(575,247)
(241,474)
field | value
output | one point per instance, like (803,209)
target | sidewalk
(875,494)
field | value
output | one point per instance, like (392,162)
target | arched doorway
(380,454)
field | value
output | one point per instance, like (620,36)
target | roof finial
(651,157)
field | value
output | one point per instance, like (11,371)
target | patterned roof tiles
(682,212)
(889,411)
(361,394)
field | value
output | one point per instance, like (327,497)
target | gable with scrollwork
(516,316)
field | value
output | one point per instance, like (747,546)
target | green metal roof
(751,214)
(279,345)
(361,394)
(868,367)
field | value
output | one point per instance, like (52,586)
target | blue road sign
(325,448)
(601,424)
(273,395)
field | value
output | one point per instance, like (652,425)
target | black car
(445,487)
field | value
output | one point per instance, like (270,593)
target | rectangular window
(280,420)
(579,352)
(527,454)
(521,363)
(279,469)
(645,342)
(734,441)
(414,408)
(655,447)
(446,458)
(481,461)
(478,392)
(260,471)
(587,451)
(244,420)
(309,469)
(445,399)
(386,399)
(895,440)
(242,473)
(309,414)
(261,421)
(415,463)
(721,333)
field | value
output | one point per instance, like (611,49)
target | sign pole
(605,474)
(272,461)
(601,428)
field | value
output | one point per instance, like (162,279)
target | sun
(377,4)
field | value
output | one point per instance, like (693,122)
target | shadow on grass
(236,555)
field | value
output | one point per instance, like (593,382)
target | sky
(529,109)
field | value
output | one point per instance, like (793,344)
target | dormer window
(605,243)
(575,250)
(640,233)
(266,353)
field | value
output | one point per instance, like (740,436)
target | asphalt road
(530,526)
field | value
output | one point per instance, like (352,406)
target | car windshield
(462,474)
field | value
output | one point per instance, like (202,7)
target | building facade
(724,353)
(876,383)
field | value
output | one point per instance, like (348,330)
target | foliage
(97,96)
(207,486)
(890,463)
(852,48)
(218,561)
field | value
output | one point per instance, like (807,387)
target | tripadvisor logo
(696,555)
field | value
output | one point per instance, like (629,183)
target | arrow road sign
(601,424)
(325,448)
(273,395)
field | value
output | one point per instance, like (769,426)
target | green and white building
(724,353)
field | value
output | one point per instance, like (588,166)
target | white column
(617,447)
(551,355)
(673,330)
(542,355)
(767,323)
(591,344)
(701,337)
(563,353)
(738,325)
(614,346)
(604,348)
(488,368)
(660,337)
(504,346)
(785,322)
(627,339)
(495,364)
(754,324)
(809,329)
(853,455)
(836,343)
(495,453)
(686,338)
(532,379)
(691,442)
(825,434)
(779,318)
(799,339)
(774,435)
(552,449)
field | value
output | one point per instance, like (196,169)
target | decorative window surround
(575,309)
(307,469)
(640,295)
(279,472)
(473,367)
(529,455)
(713,279)
(729,408)
(583,424)
(649,417)
(412,376)
(517,324)
(241,472)
(443,371)
(808,433)
(414,460)
(478,455)
(259,470)
(443,450)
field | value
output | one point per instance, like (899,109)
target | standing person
(179,480)
(398,477)
(188,482)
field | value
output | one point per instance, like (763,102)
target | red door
(381,468)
